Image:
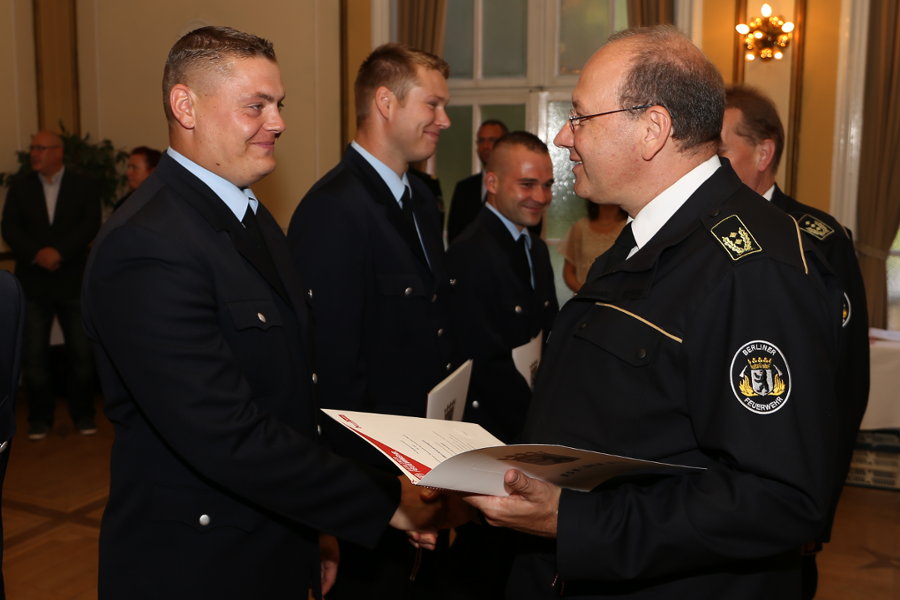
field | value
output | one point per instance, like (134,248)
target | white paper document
(456,455)
(447,400)
(527,357)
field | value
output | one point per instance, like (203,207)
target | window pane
(513,115)
(893,286)
(459,38)
(583,26)
(503,38)
(566,207)
(454,153)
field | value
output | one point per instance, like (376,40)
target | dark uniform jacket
(713,346)
(26,228)
(836,244)
(495,310)
(465,205)
(217,485)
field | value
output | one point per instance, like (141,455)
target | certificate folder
(456,455)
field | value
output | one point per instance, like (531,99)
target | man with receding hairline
(708,336)
(218,485)
(367,243)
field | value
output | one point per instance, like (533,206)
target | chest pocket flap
(623,334)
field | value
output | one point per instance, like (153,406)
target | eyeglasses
(41,148)
(575,119)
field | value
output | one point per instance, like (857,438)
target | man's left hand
(531,506)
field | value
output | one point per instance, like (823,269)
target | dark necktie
(251,225)
(409,215)
(525,268)
(616,255)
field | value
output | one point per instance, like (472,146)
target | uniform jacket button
(474,403)
(440,332)
(434,298)
(315,378)
(407,291)
(449,366)
(4,446)
(319,429)
(261,317)
(204,520)
(309,293)
(518,309)
(546,303)
(642,353)
(453,282)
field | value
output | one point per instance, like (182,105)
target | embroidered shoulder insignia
(735,238)
(814,227)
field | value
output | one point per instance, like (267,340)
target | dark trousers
(36,359)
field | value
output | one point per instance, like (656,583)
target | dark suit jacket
(380,313)
(464,206)
(836,244)
(26,228)
(217,486)
(495,310)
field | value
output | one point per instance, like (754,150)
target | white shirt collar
(235,198)
(659,210)
(769,193)
(53,179)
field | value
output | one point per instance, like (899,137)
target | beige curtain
(878,207)
(642,13)
(420,24)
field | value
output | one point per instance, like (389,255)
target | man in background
(470,193)
(367,243)
(504,298)
(50,218)
(140,164)
(753,140)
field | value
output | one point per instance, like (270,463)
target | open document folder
(455,455)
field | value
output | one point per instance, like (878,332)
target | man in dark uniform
(753,141)
(504,293)
(367,242)
(503,297)
(469,194)
(218,485)
(707,336)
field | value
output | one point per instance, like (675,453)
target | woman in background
(588,238)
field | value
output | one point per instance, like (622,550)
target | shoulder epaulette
(735,238)
(814,227)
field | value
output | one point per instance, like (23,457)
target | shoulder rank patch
(760,377)
(814,227)
(735,238)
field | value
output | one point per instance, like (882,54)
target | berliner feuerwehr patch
(815,227)
(760,377)
(735,238)
(846,310)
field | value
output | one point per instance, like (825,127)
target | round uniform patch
(846,310)
(760,377)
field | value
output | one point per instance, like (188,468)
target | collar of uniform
(394,182)
(659,210)
(511,227)
(53,179)
(235,198)
(769,193)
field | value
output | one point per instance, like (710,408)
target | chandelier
(765,37)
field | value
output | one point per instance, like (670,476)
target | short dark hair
(518,138)
(496,123)
(394,67)
(759,118)
(207,49)
(669,70)
(151,155)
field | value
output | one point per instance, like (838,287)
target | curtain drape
(642,13)
(420,24)
(878,205)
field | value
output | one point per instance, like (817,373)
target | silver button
(546,303)
(518,309)
(453,282)
(407,291)
(440,332)
(203,520)
(434,298)
(261,317)
(474,403)
(319,429)
(449,366)
(315,378)
(309,294)
(3,446)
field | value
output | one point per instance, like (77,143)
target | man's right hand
(48,258)
(423,511)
